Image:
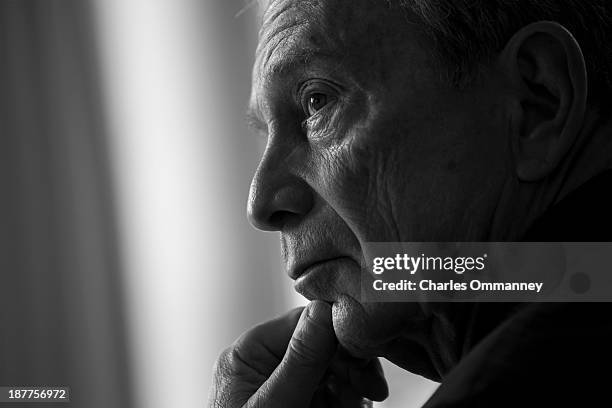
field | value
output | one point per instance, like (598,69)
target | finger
(310,350)
(263,346)
(345,397)
(242,368)
(371,380)
(321,398)
(342,394)
(367,376)
(338,395)
(273,334)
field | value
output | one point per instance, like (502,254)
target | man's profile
(426,121)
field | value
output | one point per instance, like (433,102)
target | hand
(294,361)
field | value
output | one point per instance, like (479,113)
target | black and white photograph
(305,203)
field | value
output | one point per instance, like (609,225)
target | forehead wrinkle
(296,25)
(362,36)
(279,38)
(277,21)
(288,64)
(302,8)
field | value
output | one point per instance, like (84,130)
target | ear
(548,75)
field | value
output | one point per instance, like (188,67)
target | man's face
(366,143)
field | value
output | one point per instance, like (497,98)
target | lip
(305,268)
(324,279)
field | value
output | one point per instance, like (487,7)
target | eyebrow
(292,61)
(286,67)
(295,58)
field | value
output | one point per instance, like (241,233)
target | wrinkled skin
(388,152)
(367,141)
(291,362)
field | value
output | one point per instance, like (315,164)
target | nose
(277,195)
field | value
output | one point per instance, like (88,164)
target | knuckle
(251,336)
(220,391)
(223,363)
(242,362)
(250,349)
(302,354)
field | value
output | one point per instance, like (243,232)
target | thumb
(310,351)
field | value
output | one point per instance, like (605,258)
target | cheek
(384,187)
(399,184)
(359,183)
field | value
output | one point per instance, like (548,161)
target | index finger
(265,344)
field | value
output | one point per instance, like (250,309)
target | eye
(316,102)
(315,96)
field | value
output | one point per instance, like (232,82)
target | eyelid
(321,115)
(310,86)
(313,83)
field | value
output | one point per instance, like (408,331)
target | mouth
(301,271)
(324,279)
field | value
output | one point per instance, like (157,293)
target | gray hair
(468,33)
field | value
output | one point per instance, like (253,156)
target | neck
(591,155)
(449,334)
(521,203)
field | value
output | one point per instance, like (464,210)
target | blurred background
(127,262)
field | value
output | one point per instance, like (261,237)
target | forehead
(357,28)
(304,26)
(366,37)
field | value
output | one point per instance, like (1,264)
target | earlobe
(547,72)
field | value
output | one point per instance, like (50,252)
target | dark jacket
(543,354)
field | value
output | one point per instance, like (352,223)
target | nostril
(279,218)
(275,201)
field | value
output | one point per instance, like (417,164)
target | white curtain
(176,75)
(60,300)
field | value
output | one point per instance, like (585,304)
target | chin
(365,331)
(352,328)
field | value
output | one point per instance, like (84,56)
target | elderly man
(423,121)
